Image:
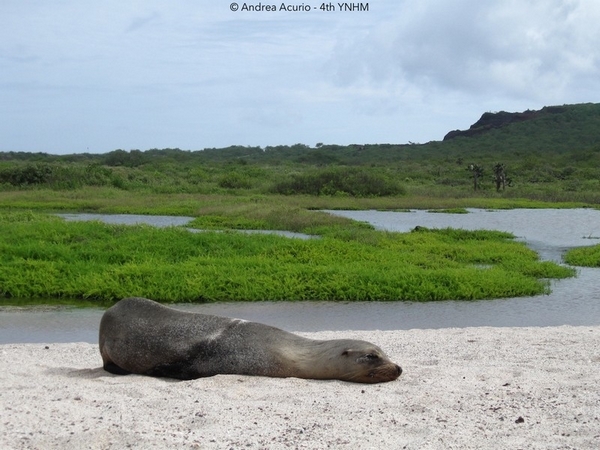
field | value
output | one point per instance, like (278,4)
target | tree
(476,172)
(499,177)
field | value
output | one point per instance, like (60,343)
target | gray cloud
(194,74)
(534,49)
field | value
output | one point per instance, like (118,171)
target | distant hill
(551,154)
(489,121)
(551,130)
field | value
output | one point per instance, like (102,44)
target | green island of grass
(584,256)
(43,256)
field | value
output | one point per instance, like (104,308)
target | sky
(94,76)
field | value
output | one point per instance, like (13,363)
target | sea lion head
(363,362)
(370,366)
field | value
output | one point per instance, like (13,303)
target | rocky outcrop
(490,121)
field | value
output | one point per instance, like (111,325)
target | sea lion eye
(371,356)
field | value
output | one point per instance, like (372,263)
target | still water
(165,221)
(574,301)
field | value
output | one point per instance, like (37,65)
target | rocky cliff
(490,121)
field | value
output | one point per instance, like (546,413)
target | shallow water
(130,219)
(549,231)
(165,221)
(574,301)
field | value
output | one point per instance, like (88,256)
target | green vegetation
(44,256)
(339,181)
(553,157)
(584,256)
(550,160)
(450,211)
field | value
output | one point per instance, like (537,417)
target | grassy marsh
(113,200)
(45,257)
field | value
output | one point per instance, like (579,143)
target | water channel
(574,301)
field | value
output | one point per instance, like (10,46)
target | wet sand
(468,388)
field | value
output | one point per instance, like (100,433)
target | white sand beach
(470,388)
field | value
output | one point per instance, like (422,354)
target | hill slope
(553,129)
(556,128)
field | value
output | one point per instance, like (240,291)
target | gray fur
(141,336)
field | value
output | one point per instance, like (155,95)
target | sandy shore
(472,388)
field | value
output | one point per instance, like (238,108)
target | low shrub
(355,182)
(234,180)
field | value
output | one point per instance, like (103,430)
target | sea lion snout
(383,373)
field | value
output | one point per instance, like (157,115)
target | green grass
(584,256)
(246,206)
(42,256)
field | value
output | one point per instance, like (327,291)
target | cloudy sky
(93,76)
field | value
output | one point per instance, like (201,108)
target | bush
(235,180)
(31,174)
(340,181)
(57,176)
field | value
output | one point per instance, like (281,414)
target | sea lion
(142,336)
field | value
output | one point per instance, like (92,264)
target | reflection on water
(574,301)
